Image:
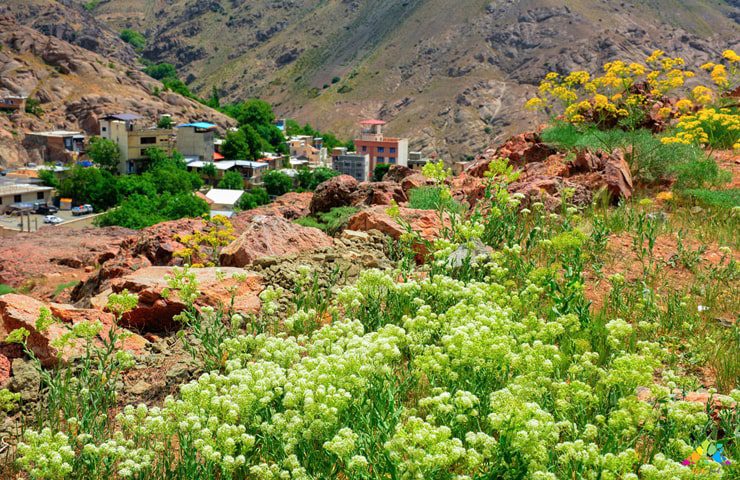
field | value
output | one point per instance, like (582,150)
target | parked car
(82,210)
(53,219)
(19,208)
(42,208)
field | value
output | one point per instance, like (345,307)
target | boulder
(20,311)
(378,193)
(520,150)
(232,289)
(416,180)
(396,173)
(467,189)
(5,366)
(335,192)
(424,222)
(547,190)
(270,235)
(292,205)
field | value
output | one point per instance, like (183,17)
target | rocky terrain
(450,75)
(75,87)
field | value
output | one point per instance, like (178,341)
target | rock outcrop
(20,311)
(335,192)
(230,289)
(269,235)
(378,193)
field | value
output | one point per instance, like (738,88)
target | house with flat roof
(12,103)
(354,164)
(306,147)
(134,140)
(250,171)
(196,140)
(380,148)
(55,146)
(417,161)
(223,202)
(23,193)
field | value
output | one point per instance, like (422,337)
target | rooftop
(58,133)
(201,125)
(222,196)
(126,117)
(18,188)
(372,122)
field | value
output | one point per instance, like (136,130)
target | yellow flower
(664,112)
(708,66)
(655,56)
(577,78)
(534,103)
(637,69)
(701,94)
(551,76)
(731,56)
(664,196)
(684,105)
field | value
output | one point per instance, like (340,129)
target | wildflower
(534,103)
(731,56)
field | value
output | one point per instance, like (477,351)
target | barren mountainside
(450,75)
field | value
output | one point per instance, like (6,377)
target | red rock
(396,173)
(4,370)
(159,243)
(335,192)
(416,180)
(378,193)
(232,288)
(519,149)
(20,311)
(292,205)
(467,189)
(269,235)
(548,189)
(425,222)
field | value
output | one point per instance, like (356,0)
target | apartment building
(381,149)
(354,164)
(134,140)
(197,140)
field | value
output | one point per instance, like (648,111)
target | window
(1,200)
(104,129)
(364,148)
(148,140)
(39,195)
(380,159)
(381,149)
(393,149)
(391,159)
(17,198)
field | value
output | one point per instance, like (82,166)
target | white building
(223,202)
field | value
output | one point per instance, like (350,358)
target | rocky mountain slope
(75,86)
(451,75)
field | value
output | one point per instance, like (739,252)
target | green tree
(253,199)
(161,71)
(214,101)
(380,170)
(49,178)
(90,185)
(209,171)
(320,175)
(232,181)
(133,38)
(104,153)
(277,182)
(235,146)
(252,112)
(165,122)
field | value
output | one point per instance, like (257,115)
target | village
(27,203)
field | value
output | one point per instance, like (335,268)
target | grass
(430,198)
(6,289)
(721,199)
(62,287)
(331,222)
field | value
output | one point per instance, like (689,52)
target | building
(55,146)
(417,161)
(380,148)
(13,194)
(12,103)
(223,202)
(251,171)
(133,140)
(355,164)
(197,140)
(306,147)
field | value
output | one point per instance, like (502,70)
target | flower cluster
(719,128)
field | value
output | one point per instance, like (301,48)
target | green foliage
(252,112)
(232,181)
(104,153)
(133,38)
(277,183)
(90,185)
(165,122)
(62,287)
(6,289)
(178,86)
(244,144)
(91,5)
(432,198)
(380,170)
(723,199)
(48,178)
(8,400)
(335,80)
(331,222)
(137,211)
(700,174)
(254,198)
(309,179)
(33,106)
(161,71)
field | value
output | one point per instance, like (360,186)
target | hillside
(75,87)
(451,75)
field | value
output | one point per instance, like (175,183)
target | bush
(253,199)
(380,170)
(724,199)
(165,122)
(698,174)
(6,289)
(161,71)
(232,181)
(431,198)
(104,153)
(139,211)
(133,38)
(33,106)
(277,182)
(331,222)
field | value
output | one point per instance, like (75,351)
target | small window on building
(39,195)
(393,149)
(1,200)
(148,140)
(364,148)
(381,159)
(381,149)
(17,198)
(391,159)
(104,129)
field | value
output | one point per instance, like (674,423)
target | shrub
(277,183)
(253,199)
(232,181)
(6,289)
(700,173)
(724,199)
(380,170)
(431,198)
(133,38)
(33,106)
(161,71)
(165,122)
(104,153)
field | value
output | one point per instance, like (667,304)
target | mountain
(450,75)
(74,87)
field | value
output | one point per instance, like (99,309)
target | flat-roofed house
(133,140)
(55,146)
(223,201)
(381,149)
(23,193)
(196,140)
